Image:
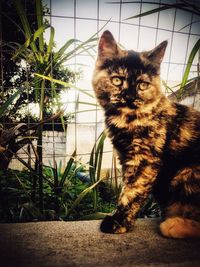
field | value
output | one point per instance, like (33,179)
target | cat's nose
(129,94)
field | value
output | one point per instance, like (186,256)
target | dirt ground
(57,244)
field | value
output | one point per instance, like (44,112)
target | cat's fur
(158,142)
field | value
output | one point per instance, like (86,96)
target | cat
(157,141)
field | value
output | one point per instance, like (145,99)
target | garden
(36,75)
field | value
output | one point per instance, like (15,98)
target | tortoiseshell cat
(158,142)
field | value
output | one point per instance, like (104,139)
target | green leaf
(14,47)
(50,45)
(26,26)
(39,13)
(83,194)
(99,154)
(192,55)
(150,12)
(169,89)
(183,6)
(188,81)
(42,95)
(96,157)
(189,24)
(65,84)
(60,168)
(95,164)
(55,176)
(67,169)
(30,41)
(61,57)
(79,48)
(4,107)
(62,50)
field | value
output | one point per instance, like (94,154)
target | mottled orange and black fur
(158,142)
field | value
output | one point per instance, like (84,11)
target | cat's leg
(183,215)
(138,184)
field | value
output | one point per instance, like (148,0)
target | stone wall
(60,145)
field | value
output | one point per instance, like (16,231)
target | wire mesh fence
(70,23)
(80,20)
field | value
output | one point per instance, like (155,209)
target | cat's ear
(157,53)
(107,45)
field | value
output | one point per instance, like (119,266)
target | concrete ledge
(80,243)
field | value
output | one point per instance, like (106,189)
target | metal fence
(80,19)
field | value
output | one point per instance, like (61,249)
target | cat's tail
(178,227)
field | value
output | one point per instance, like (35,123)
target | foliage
(192,55)
(15,138)
(17,204)
(15,196)
(8,102)
(182,5)
(19,72)
(51,192)
(44,60)
(60,203)
(150,209)
(10,20)
(44,57)
(95,165)
(70,192)
(66,195)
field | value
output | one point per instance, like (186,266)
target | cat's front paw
(110,224)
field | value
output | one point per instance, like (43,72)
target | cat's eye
(143,85)
(117,81)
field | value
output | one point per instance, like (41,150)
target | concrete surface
(57,244)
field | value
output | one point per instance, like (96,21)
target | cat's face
(126,78)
